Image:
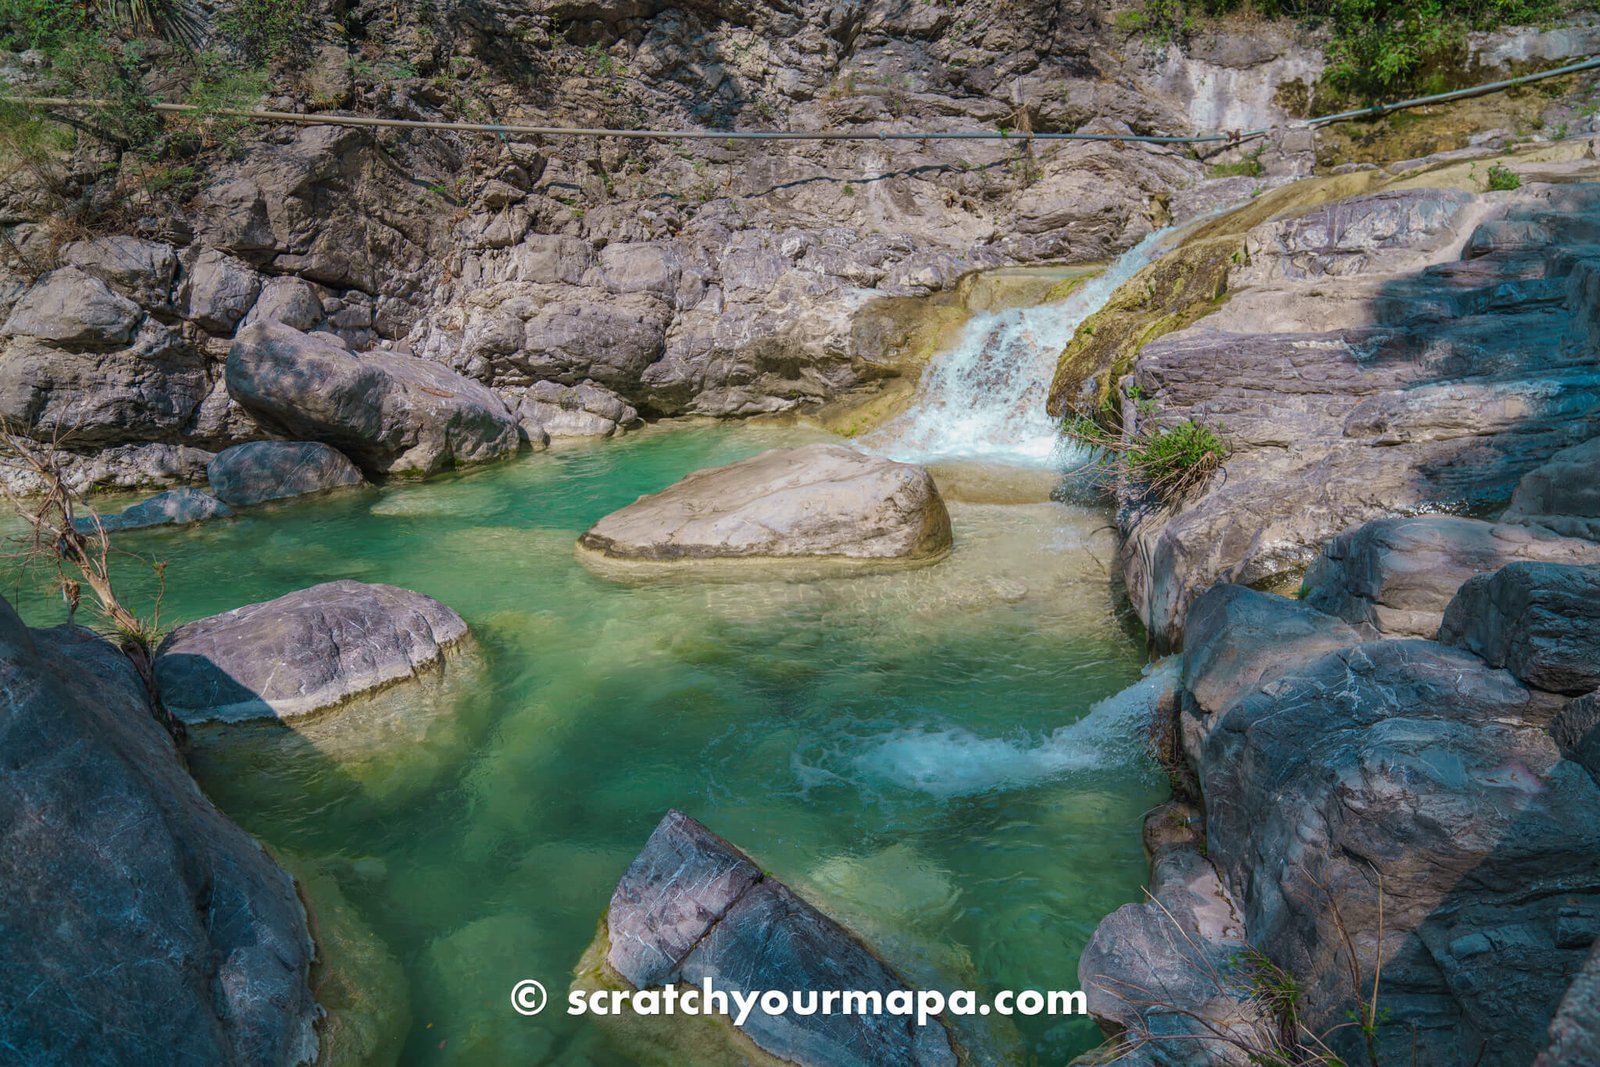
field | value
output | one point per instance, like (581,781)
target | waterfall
(984,399)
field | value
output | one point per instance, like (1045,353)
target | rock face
(391,414)
(1540,621)
(1396,576)
(692,908)
(273,470)
(813,501)
(1376,356)
(586,410)
(175,507)
(70,307)
(140,925)
(303,652)
(1564,494)
(1326,771)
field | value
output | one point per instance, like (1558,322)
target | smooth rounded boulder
(818,502)
(259,471)
(302,653)
(390,413)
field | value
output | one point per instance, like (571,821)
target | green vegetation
(1248,167)
(1169,462)
(1378,47)
(1502,177)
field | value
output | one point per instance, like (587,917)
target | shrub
(1168,462)
(1502,177)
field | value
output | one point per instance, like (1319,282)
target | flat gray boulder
(693,908)
(391,414)
(1540,621)
(175,507)
(303,652)
(1397,576)
(140,270)
(259,471)
(140,925)
(1563,494)
(817,501)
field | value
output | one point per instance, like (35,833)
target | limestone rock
(1397,576)
(288,300)
(786,504)
(692,908)
(72,308)
(1540,621)
(140,925)
(175,507)
(1327,773)
(585,410)
(391,414)
(1563,494)
(138,269)
(259,471)
(303,652)
(217,290)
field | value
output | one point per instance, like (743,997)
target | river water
(938,757)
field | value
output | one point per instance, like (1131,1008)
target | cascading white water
(984,399)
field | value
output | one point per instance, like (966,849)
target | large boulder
(175,507)
(817,502)
(1540,621)
(1397,576)
(303,652)
(259,471)
(218,290)
(139,925)
(1577,730)
(1411,780)
(71,308)
(140,270)
(693,909)
(1563,494)
(391,414)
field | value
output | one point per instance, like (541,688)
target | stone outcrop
(586,410)
(1324,770)
(1396,576)
(275,470)
(139,925)
(303,652)
(72,308)
(391,414)
(1540,621)
(1564,494)
(1408,351)
(692,908)
(815,502)
(175,507)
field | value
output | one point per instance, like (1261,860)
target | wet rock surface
(391,414)
(175,507)
(140,925)
(692,909)
(275,470)
(812,501)
(303,652)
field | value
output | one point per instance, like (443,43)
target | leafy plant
(1248,167)
(1502,178)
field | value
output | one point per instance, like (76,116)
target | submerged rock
(1397,576)
(139,925)
(1540,621)
(303,652)
(175,507)
(259,471)
(817,501)
(391,414)
(692,908)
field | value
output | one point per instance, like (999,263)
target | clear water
(933,756)
(984,400)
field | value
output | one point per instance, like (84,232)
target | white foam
(953,761)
